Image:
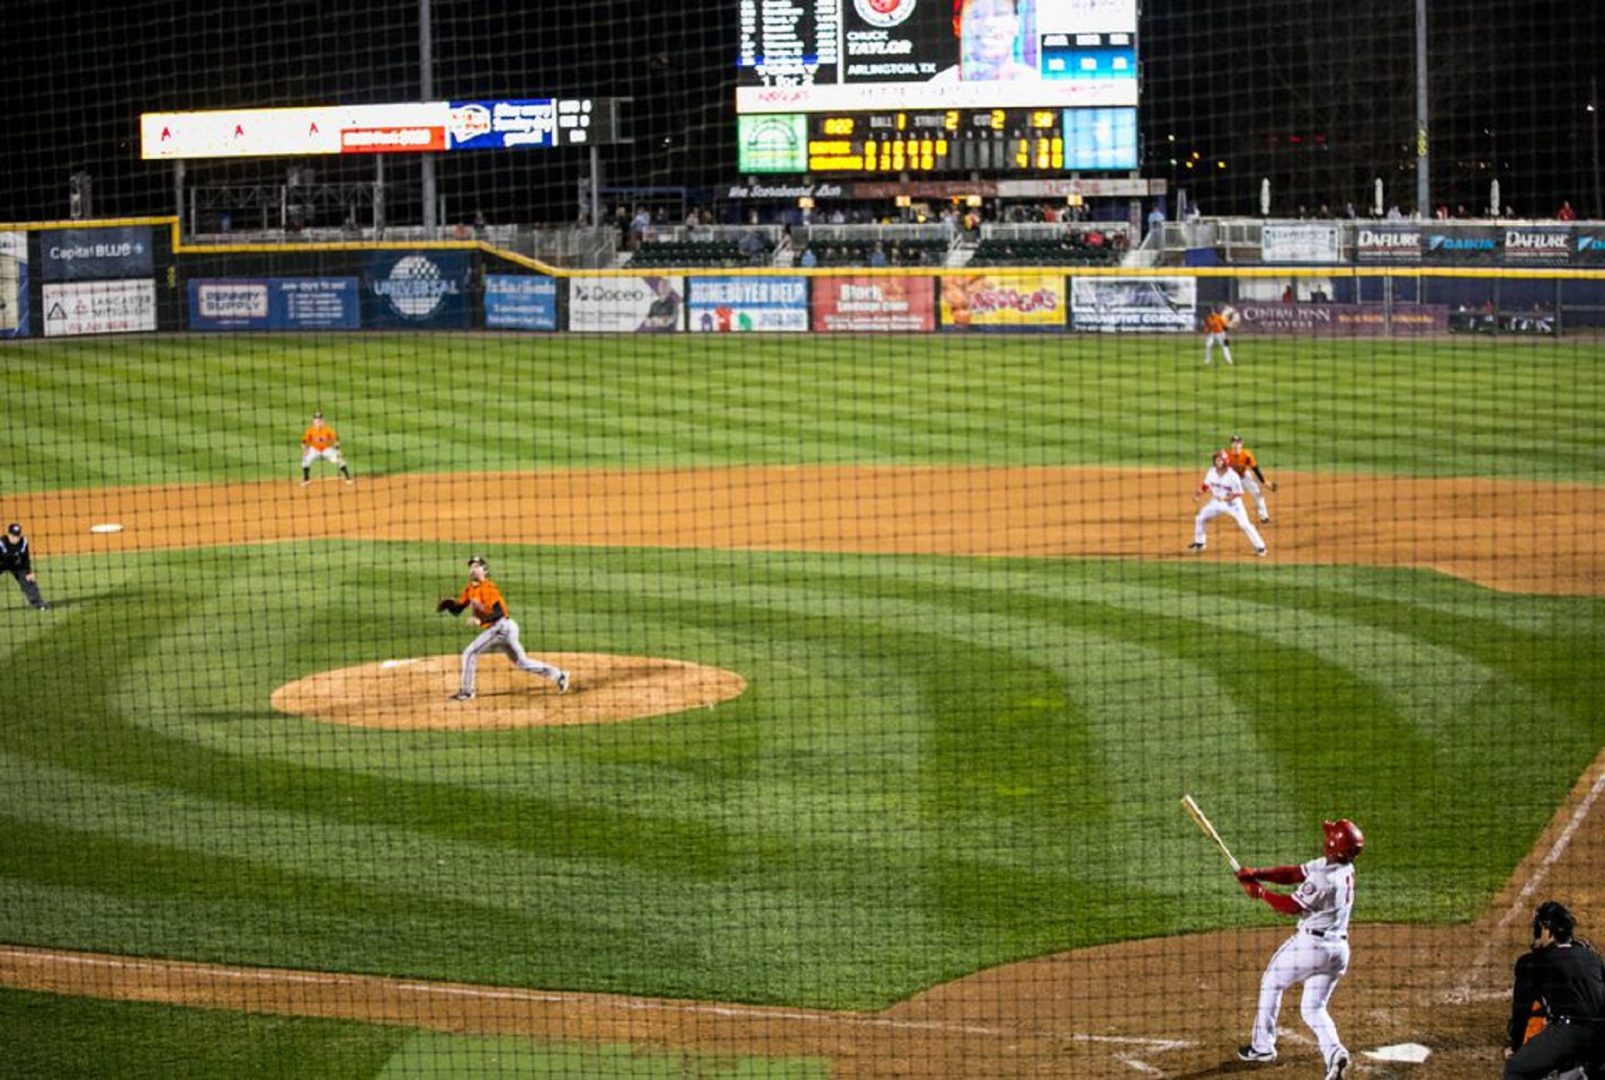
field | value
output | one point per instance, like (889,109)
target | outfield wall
(133,276)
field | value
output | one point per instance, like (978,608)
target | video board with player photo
(810,56)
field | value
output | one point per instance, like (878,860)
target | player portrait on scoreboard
(996,40)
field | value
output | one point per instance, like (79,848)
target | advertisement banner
(1462,247)
(1538,246)
(1003,301)
(273,304)
(874,305)
(1140,305)
(14,284)
(1342,320)
(1588,246)
(410,290)
(100,307)
(520,302)
(725,304)
(1387,244)
(626,304)
(1300,243)
(94,254)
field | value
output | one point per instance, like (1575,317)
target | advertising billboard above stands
(405,128)
(1300,242)
(91,254)
(909,86)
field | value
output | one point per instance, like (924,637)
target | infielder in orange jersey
(1241,459)
(499,630)
(1215,329)
(320,441)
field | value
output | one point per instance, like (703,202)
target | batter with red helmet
(1317,954)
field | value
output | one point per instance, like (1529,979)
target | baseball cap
(14,529)
(478,560)
(1237,438)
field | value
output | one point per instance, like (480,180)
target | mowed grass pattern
(93,412)
(940,764)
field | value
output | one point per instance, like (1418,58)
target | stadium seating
(1072,249)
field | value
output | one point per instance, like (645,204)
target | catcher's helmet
(1553,916)
(1344,840)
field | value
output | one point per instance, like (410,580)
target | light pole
(1593,123)
(1423,163)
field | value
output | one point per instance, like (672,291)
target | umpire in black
(16,560)
(1565,978)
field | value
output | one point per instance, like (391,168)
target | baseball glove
(447,604)
(1273,485)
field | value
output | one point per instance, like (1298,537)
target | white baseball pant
(1216,507)
(503,635)
(1318,963)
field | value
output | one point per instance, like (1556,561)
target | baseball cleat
(1264,521)
(463,695)
(306,483)
(1248,1053)
(1195,547)
(562,682)
(1339,1067)
(44,606)
(1262,552)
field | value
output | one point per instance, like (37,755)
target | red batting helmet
(1344,840)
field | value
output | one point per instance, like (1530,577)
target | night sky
(1316,96)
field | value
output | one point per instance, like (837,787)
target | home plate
(106,527)
(1414,1053)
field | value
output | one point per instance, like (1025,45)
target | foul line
(1524,896)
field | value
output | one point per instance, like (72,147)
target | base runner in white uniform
(1317,954)
(1225,490)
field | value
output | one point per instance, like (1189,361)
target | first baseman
(1242,461)
(499,630)
(17,560)
(320,441)
(1225,490)
(1317,954)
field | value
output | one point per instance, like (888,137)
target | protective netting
(690,542)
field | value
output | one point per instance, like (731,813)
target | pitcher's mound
(415,694)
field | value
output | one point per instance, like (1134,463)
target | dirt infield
(1507,535)
(415,694)
(1174,1007)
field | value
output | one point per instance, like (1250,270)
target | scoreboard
(923,86)
(1043,140)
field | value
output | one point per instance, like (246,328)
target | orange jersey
(319,438)
(1214,323)
(1241,460)
(483,593)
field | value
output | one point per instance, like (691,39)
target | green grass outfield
(940,764)
(91,412)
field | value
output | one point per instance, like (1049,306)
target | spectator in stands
(1288,295)
(1156,218)
(808,260)
(877,256)
(1350,212)
(752,247)
(638,227)
(1566,213)
(1394,213)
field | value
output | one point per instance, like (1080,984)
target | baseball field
(890,668)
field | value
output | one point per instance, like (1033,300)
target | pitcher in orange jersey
(499,631)
(320,441)
(1215,329)
(1241,459)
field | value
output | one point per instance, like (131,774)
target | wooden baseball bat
(1209,830)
